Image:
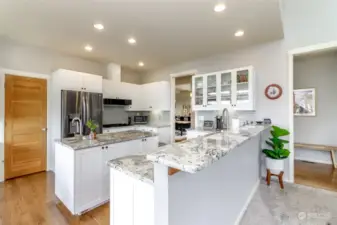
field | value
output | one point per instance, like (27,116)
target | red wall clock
(273,91)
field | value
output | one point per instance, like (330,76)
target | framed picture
(305,102)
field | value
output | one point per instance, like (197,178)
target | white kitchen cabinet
(223,89)
(88,174)
(114,151)
(205,91)
(134,93)
(164,134)
(149,144)
(82,176)
(243,89)
(156,96)
(111,89)
(92,83)
(76,81)
(132,201)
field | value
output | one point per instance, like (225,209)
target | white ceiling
(167,31)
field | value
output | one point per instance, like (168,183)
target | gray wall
(21,57)
(131,76)
(319,72)
(305,22)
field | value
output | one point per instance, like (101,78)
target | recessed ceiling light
(132,41)
(140,63)
(88,48)
(98,26)
(219,7)
(239,33)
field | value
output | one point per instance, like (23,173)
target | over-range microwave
(116,101)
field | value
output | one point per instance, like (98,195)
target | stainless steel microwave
(140,119)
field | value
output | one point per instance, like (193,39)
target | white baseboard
(245,206)
(313,160)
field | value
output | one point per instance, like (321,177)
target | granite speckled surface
(105,139)
(136,166)
(196,154)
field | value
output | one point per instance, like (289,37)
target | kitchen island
(219,174)
(82,179)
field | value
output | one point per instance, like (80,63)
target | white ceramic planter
(275,165)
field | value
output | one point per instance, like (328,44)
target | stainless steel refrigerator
(84,105)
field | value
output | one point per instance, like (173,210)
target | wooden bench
(331,149)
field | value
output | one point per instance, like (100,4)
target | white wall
(131,76)
(319,72)
(270,64)
(21,57)
(23,60)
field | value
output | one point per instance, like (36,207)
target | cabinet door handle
(106,147)
(102,147)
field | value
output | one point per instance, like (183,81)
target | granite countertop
(196,154)
(159,125)
(136,166)
(105,139)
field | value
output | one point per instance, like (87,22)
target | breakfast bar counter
(219,174)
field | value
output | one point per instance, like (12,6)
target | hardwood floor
(316,175)
(30,200)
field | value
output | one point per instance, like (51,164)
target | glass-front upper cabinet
(243,89)
(226,88)
(198,92)
(211,90)
(205,92)
(230,88)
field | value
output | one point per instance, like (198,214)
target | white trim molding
(3,72)
(291,53)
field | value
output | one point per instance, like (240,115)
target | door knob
(44,129)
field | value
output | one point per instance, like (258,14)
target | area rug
(295,205)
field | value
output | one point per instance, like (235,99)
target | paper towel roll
(236,125)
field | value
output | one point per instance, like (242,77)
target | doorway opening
(182,116)
(312,95)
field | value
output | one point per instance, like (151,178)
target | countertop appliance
(116,101)
(140,119)
(84,105)
(208,124)
(218,122)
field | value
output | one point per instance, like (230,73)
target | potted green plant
(276,156)
(92,126)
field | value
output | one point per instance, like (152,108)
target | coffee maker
(218,123)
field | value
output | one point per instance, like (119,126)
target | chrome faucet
(79,123)
(225,119)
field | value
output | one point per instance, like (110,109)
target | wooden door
(25,123)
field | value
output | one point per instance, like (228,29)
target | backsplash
(210,115)
(114,114)
(117,114)
(159,117)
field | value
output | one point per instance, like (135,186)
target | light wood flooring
(316,175)
(30,200)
